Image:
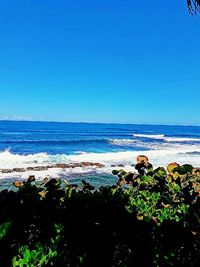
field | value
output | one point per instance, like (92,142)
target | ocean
(25,144)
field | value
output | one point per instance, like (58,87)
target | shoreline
(47,167)
(70,171)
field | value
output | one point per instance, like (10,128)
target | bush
(150,218)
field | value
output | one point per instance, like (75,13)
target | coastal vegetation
(148,218)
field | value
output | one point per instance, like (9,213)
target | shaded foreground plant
(149,218)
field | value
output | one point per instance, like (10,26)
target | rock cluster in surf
(58,165)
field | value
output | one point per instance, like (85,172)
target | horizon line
(85,122)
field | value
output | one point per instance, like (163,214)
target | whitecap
(158,156)
(167,139)
(10,160)
(181,139)
(152,136)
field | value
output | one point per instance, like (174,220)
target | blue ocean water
(24,144)
(72,138)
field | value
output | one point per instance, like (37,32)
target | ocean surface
(25,144)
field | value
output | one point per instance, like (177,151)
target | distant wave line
(168,139)
(152,136)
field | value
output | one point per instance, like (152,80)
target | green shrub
(147,219)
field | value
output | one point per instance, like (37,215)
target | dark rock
(62,165)
(30,169)
(6,170)
(40,168)
(99,165)
(76,165)
(85,164)
(58,165)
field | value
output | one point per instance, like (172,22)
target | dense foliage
(149,218)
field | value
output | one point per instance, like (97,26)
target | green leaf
(14,262)
(43,260)
(4,229)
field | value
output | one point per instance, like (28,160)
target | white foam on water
(53,172)
(152,136)
(122,142)
(160,155)
(50,173)
(181,139)
(168,139)
(155,145)
(10,160)
(81,152)
(129,156)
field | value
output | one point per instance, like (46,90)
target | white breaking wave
(168,139)
(152,136)
(9,160)
(127,155)
(158,156)
(181,139)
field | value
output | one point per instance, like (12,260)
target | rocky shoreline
(58,165)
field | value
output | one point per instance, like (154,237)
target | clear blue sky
(121,61)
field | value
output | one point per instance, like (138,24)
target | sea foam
(152,136)
(167,139)
(159,153)
(181,154)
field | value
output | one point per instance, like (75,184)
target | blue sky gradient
(120,61)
